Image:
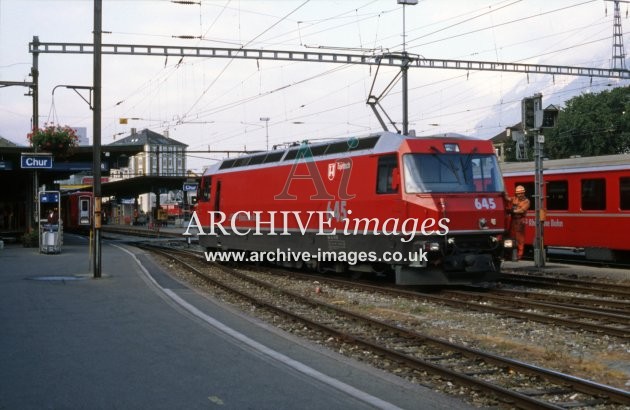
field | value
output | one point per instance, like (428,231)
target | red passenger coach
(587,202)
(76,211)
(427,210)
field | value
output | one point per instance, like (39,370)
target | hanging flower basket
(56,139)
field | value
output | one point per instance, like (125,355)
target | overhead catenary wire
(232,60)
(510,3)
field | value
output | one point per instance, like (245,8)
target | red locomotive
(76,211)
(587,204)
(428,210)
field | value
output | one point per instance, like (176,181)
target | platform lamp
(266,120)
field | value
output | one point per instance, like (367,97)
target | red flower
(60,140)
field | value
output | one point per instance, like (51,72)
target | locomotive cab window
(624,194)
(452,172)
(593,194)
(388,176)
(204,189)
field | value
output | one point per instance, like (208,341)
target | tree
(592,124)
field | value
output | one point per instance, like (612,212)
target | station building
(160,156)
(139,173)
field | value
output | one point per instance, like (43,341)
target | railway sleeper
(480,372)
(447,356)
(580,404)
(549,391)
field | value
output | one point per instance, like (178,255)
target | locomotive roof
(381,142)
(570,165)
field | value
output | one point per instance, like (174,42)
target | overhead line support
(390,59)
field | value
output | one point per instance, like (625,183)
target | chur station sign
(36,161)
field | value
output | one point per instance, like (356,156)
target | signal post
(535,120)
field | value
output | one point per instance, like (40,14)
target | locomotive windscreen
(452,172)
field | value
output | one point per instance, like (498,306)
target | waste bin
(50,242)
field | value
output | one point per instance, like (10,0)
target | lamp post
(266,120)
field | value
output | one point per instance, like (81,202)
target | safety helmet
(520,189)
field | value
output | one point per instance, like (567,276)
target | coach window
(387,174)
(558,195)
(593,194)
(530,189)
(624,194)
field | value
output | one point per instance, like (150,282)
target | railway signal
(550,117)
(535,119)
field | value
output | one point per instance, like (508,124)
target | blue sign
(190,187)
(49,197)
(36,161)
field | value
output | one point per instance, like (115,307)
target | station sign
(190,186)
(34,161)
(6,166)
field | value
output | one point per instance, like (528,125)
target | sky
(218,103)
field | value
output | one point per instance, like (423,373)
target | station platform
(138,338)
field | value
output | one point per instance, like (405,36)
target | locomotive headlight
(483,224)
(508,243)
(431,246)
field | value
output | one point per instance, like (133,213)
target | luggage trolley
(50,225)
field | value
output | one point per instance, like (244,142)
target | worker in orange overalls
(520,205)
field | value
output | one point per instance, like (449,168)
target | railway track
(613,322)
(609,323)
(607,305)
(510,381)
(609,289)
(142,232)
